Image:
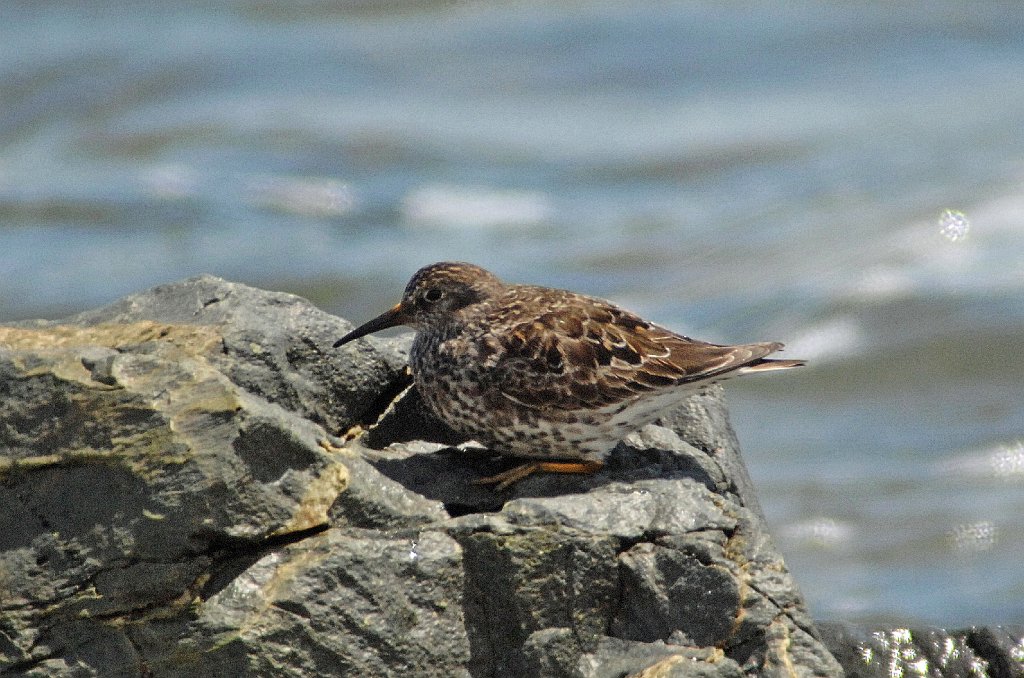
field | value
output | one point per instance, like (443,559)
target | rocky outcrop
(173,502)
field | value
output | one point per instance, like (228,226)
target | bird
(546,375)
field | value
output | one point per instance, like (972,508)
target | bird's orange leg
(517,473)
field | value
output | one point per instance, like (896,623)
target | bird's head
(434,295)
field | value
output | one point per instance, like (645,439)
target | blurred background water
(737,171)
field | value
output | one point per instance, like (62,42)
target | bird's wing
(587,354)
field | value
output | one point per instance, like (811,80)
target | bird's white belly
(585,434)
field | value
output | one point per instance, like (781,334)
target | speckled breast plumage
(459,380)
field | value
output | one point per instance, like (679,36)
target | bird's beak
(391,318)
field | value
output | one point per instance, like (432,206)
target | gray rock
(167,508)
(703,421)
(337,604)
(123,494)
(274,345)
(552,653)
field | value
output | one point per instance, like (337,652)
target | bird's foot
(333,444)
(516,473)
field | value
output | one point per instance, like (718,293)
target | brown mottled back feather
(610,354)
(547,373)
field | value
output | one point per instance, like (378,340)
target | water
(738,171)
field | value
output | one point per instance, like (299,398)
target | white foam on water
(170,181)
(1002,462)
(474,207)
(819,532)
(974,537)
(883,282)
(953,225)
(833,338)
(305,196)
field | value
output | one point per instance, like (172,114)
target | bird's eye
(432,295)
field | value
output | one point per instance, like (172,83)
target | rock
(880,651)
(703,421)
(167,508)
(274,345)
(336,604)
(553,652)
(129,475)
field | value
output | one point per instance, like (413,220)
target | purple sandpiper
(556,377)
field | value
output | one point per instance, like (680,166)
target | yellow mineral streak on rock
(778,660)
(320,494)
(664,667)
(661,669)
(194,338)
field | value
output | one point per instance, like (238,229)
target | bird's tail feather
(767,365)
